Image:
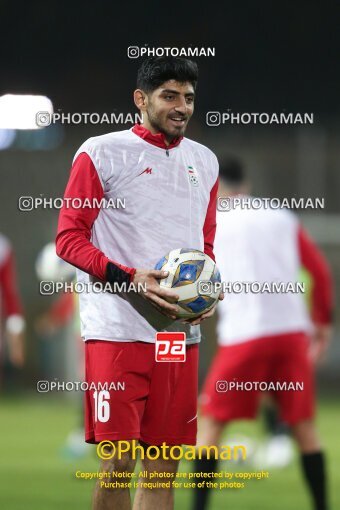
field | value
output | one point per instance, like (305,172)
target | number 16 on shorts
(101,406)
(170,346)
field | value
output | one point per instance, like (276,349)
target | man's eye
(190,100)
(169,97)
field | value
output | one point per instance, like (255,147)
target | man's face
(170,107)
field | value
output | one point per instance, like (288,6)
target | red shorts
(152,402)
(275,359)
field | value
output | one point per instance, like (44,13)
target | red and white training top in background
(268,245)
(10,302)
(170,202)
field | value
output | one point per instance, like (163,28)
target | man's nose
(181,105)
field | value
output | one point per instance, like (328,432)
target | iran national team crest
(193,176)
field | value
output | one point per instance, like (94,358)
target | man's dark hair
(155,71)
(232,171)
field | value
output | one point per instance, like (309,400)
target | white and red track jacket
(268,245)
(169,195)
(10,303)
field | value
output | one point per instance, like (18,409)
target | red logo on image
(170,346)
(146,171)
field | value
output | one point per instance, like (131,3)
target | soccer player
(149,166)
(264,336)
(64,312)
(11,307)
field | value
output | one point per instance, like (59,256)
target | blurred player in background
(277,451)
(265,336)
(49,267)
(149,166)
(63,311)
(11,310)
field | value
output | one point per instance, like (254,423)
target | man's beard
(159,128)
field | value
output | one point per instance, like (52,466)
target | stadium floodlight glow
(20,111)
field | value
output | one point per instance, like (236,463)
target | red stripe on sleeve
(209,228)
(75,224)
(322,292)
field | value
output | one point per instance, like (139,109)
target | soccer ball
(50,267)
(193,275)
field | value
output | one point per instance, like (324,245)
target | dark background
(269,55)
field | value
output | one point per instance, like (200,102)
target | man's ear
(140,99)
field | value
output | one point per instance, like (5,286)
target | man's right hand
(161,299)
(321,339)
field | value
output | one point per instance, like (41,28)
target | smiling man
(149,166)
(168,108)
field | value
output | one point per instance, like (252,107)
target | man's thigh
(225,395)
(293,369)
(125,368)
(170,414)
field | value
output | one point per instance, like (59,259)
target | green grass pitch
(35,476)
